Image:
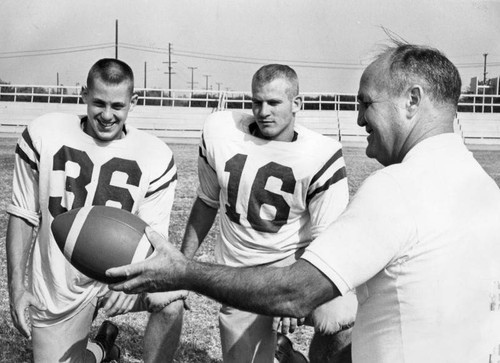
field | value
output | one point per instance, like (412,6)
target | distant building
(492,86)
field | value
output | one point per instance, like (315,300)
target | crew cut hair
(270,72)
(111,71)
(410,64)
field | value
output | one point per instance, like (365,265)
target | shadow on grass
(13,346)
(192,354)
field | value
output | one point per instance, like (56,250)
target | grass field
(200,338)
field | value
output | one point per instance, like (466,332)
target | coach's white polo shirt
(420,242)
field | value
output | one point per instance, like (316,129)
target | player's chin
(371,150)
(109,133)
(268,132)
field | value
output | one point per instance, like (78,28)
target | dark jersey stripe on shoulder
(325,167)
(200,153)
(339,175)
(27,138)
(163,186)
(25,158)
(204,147)
(169,167)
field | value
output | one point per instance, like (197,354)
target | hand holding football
(96,238)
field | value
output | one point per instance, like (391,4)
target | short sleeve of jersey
(156,207)
(372,232)
(328,193)
(25,180)
(209,188)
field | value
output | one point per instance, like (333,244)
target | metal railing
(474,103)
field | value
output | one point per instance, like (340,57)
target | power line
(296,63)
(236,59)
(143,49)
(206,56)
(253,60)
(477,65)
(57,49)
(186,53)
(239,59)
(55,53)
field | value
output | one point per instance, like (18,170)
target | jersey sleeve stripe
(204,159)
(202,149)
(203,141)
(163,186)
(27,139)
(325,167)
(26,158)
(339,175)
(170,166)
(200,153)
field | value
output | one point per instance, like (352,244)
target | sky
(219,44)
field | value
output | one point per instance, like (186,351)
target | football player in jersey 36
(64,162)
(277,185)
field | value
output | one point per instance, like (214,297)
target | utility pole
(169,68)
(484,75)
(206,78)
(57,76)
(218,85)
(145,72)
(192,77)
(484,81)
(116,39)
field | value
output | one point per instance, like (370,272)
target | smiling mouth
(107,125)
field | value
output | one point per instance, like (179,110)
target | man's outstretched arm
(288,291)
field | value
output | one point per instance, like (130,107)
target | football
(94,239)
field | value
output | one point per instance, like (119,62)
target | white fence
(178,115)
(470,103)
(183,124)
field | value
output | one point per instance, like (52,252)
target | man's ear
(414,100)
(85,94)
(297,104)
(133,101)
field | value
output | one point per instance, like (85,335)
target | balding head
(406,65)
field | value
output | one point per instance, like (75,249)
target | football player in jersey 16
(66,161)
(277,186)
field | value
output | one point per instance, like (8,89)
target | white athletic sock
(96,350)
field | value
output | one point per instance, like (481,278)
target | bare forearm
(200,221)
(292,291)
(18,246)
(190,242)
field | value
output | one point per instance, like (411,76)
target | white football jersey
(274,197)
(59,167)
